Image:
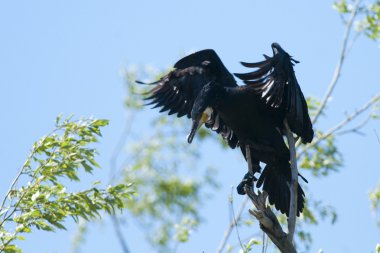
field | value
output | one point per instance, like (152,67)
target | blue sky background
(67,56)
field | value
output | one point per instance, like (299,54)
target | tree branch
(268,221)
(356,128)
(233,222)
(294,183)
(336,128)
(338,68)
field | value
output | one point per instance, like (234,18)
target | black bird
(251,115)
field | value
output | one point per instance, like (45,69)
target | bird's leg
(249,158)
(249,177)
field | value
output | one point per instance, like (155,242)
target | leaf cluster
(368,20)
(42,201)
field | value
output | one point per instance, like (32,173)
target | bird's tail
(275,180)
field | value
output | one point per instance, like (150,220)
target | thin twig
(338,68)
(294,183)
(22,170)
(378,139)
(344,122)
(228,231)
(113,165)
(234,220)
(12,185)
(37,182)
(247,238)
(119,146)
(356,128)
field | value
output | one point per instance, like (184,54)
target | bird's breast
(243,115)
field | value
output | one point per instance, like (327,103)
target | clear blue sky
(66,57)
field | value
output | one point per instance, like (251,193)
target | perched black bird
(251,115)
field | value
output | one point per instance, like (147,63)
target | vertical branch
(294,183)
(338,68)
(119,234)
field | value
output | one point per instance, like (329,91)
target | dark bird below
(250,115)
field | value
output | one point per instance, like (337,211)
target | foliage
(368,20)
(249,246)
(169,196)
(323,158)
(162,168)
(374,197)
(43,201)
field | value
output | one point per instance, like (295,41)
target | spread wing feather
(275,82)
(177,91)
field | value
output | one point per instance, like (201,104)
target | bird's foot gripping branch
(263,213)
(269,222)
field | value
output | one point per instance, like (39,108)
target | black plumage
(201,87)
(275,81)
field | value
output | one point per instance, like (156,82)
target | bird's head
(276,48)
(202,108)
(281,53)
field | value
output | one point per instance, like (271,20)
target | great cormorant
(201,88)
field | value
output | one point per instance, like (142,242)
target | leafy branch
(43,202)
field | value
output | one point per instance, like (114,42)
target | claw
(248,180)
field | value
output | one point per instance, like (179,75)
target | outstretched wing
(177,91)
(275,81)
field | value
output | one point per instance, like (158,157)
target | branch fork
(269,222)
(263,213)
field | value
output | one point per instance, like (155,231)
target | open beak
(196,125)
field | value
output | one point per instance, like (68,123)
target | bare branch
(113,173)
(343,123)
(294,183)
(120,144)
(233,222)
(268,221)
(338,68)
(356,128)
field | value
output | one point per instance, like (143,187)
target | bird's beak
(194,129)
(196,125)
